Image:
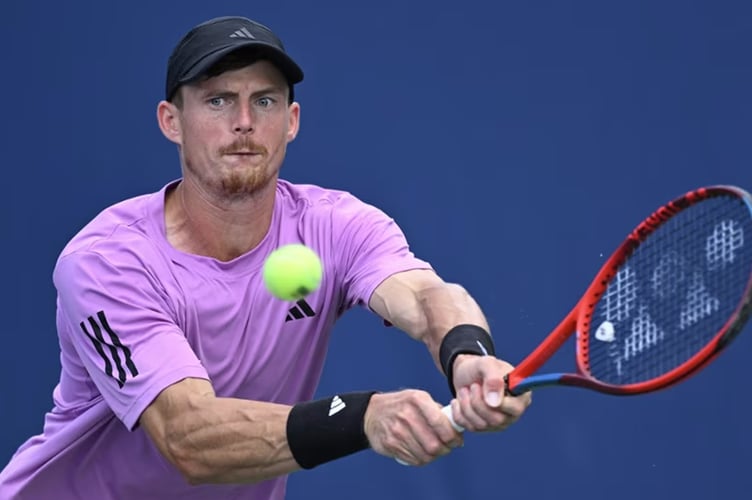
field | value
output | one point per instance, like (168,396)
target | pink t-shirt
(135,315)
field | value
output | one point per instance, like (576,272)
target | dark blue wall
(516,142)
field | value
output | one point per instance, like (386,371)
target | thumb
(493,389)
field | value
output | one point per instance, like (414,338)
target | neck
(199,224)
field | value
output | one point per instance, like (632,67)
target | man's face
(234,129)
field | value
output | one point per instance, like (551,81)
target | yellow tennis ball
(292,271)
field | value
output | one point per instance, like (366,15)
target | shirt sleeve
(123,329)
(371,247)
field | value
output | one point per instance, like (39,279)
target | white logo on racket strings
(699,303)
(606,332)
(722,244)
(620,297)
(644,335)
(337,405)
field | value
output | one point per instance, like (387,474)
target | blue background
(516,142)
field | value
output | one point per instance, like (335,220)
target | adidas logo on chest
(300,310)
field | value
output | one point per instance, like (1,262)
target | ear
(293,124)
(168,117)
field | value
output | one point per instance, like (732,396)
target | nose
(244,119)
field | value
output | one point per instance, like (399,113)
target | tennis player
(181,376)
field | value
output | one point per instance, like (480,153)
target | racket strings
(673,294)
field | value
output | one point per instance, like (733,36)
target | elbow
(194,476)
(186,461)
(196,468)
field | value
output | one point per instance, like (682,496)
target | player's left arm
(426,307)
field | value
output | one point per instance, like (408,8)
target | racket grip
(447,410)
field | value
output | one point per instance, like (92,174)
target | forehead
(259,74)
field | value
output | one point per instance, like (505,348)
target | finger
(400,443)
(431,434)
(515,406)
(493,390)
(459,418)
(421,452)
(493,418)
(398,431)
(427,444)
(436,434)
(451,435)
(447,410)
(469,419)
(493,372)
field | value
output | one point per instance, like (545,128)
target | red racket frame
(579,319)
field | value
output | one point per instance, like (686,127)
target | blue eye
(216,101)
(265,102)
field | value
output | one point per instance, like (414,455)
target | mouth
(244,155)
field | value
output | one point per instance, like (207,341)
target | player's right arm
(212,439)
(219,440)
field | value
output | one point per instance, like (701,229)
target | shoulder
(120,234)
(318,200)
(309,195)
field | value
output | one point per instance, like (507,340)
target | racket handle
(447,410)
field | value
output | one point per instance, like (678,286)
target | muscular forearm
(232,440)
(423,305)
(446,307)
(216,440)
(227,440)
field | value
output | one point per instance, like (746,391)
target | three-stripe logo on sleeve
(118,364)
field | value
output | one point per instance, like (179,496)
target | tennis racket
(672,296)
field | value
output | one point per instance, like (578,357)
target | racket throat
(522,385)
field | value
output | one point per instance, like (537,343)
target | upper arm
(120,325)
(368,247)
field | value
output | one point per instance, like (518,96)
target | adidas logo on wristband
(336,406)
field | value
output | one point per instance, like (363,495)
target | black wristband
(326,429)
(463,339)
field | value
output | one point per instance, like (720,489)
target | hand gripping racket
(672,296)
